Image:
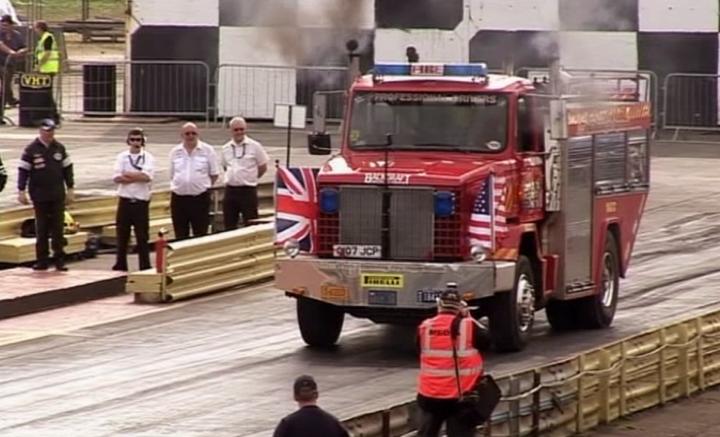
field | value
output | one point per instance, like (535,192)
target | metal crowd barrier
(595,387)
(145,88)
(253,90)
(691,102)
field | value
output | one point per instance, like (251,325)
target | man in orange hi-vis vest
(439,380)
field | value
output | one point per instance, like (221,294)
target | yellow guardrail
(96,214)
(589,389)
(207,264)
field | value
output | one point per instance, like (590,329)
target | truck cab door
(530,145)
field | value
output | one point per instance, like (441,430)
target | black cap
(48,125)
(7,18)
(305,384)
(450,300)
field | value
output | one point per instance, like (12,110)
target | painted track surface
(223,366)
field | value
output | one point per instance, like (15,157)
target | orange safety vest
(437,377)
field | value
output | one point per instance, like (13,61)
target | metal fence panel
(253,90)
(691,101)
(163,88)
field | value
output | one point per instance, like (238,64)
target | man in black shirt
(309,420)
(3,175)
(12,48)
(47,169)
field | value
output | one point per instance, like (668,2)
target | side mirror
(319,144)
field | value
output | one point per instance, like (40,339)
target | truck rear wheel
(513,312)
(598,311)
(320,323)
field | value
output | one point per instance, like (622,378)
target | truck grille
(414,233)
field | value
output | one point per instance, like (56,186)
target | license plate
(357,251)
(428,296)
(382,297)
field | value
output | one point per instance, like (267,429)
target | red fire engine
(525,197)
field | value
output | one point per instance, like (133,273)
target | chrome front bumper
(388,283)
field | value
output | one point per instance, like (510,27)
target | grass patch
(62,10)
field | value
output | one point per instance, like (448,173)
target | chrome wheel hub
(608,283)
(525,303)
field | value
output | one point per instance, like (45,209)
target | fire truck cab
(527,195)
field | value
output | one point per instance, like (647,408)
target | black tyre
(562,315)
(513,312)
(320,323)
(598,311)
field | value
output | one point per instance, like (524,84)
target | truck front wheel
(320,323)
(598,311)
(561,315)
(513,312)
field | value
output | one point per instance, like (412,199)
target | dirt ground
(694,417)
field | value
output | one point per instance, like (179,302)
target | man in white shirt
(134,171)
(7,8)
(193,171)
(244,161)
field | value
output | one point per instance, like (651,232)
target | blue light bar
(430,69)
(392,69)
(478,69)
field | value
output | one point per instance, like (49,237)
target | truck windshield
(429,121)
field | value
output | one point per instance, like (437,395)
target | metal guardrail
(645,81)
(207,264)
(690,102)
(592,388)
(252,90)
(146,88)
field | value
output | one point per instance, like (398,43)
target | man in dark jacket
(3,175)
(45,167)
(309,420)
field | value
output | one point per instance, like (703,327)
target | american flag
(296,205)
(487,221)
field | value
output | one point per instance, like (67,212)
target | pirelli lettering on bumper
(381,280)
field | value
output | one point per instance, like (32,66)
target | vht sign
(36,81)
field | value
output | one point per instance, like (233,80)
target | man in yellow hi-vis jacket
(47,60)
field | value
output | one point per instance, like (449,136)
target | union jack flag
(488,218)
(296,206)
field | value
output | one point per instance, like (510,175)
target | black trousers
(435,412)
(6,75)
(239,200)
(134,214)
(190,211)
(49,223)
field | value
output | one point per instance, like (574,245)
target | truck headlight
(291,248)
(479,253)
(444,204)
(329,200)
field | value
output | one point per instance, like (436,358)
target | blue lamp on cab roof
(430,69)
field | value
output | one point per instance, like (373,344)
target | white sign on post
(293,116)
(289,117)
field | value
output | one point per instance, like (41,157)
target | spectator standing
(244,161)
(7,8)
(45,167)
(193,171)
(448,336)
(12,47)
(3,175)
(47,59)
(134,171)
(309,420)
